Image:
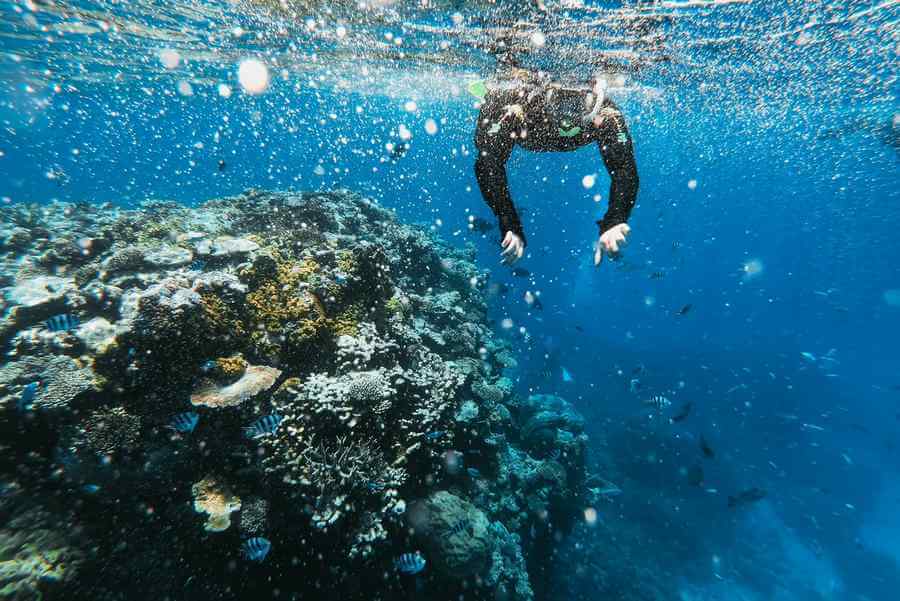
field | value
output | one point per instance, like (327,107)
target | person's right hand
(513,248)
(611,241)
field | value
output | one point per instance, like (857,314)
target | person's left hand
(611,241)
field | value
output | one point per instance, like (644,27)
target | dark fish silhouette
(480,225)
(256,548)
(695,475)
(222,165)
(197,265)
(61,323)
(520,272)
(683,413)
(706,449)
(751,495)
(399,150)
(684,310)
(579,328)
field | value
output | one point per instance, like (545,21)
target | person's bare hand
(513,248)
(611,241)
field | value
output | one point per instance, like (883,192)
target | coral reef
(39,550)
(349,401)
(217,501)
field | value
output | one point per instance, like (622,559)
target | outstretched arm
(618,156)
(494,145)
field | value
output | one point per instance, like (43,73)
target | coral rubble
(354,348)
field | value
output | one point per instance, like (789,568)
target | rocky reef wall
(180,384)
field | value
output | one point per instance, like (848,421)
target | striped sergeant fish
(185,422)
(458,527)
(263,426)
(410,563)
(61,323)
(26,398)
(658,402)
(256,548)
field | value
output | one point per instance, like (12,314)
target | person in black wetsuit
(544,117)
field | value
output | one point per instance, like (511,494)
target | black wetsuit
(508,118)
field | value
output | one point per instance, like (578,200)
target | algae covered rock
(38,554)
(456,535)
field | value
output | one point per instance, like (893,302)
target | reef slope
(295,366)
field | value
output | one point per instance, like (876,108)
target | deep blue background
(819,212)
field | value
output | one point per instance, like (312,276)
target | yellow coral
(394,306)
(347,322)
(217,501)
(346,262)
(280,307)
(231,367)
(221,318)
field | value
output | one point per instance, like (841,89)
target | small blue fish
(435,435)
(61,323)
(340,278)
(410,563)
(185,422)
(263,426)
(256,548)
(658,402)
(26,398)
(473,473)
(375,486)
(208,366)
(90,489)
(197,265)
(458,527)
(566,376)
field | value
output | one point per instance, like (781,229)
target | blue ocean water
(760,282)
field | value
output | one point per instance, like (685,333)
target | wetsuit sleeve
(494,145)
(618,156)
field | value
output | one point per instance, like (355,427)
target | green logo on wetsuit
(569,133)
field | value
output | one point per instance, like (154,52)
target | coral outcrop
(295,366)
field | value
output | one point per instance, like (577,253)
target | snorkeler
(544,117)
